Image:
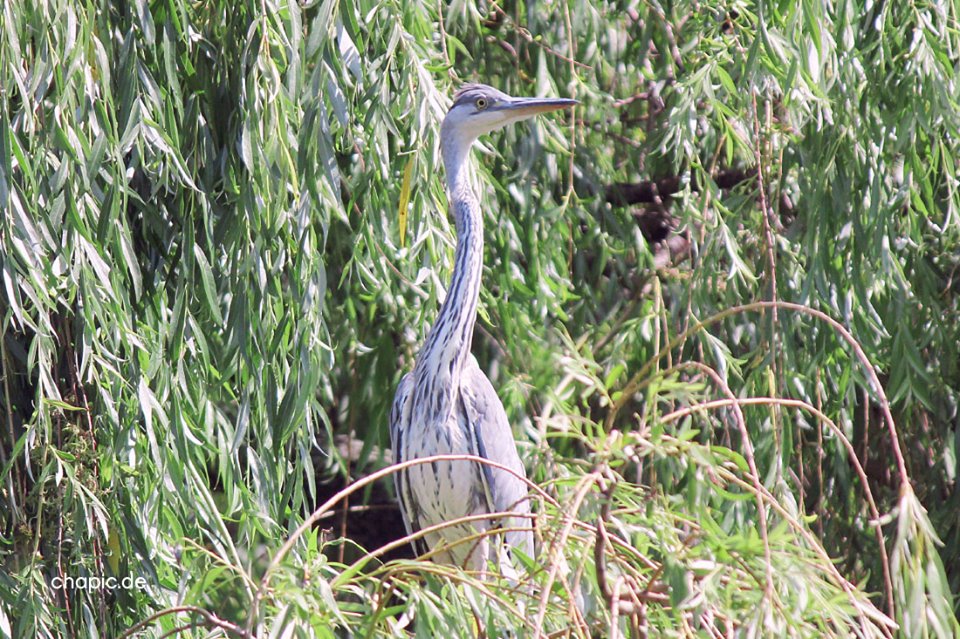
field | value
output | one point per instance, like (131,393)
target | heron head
(479,109)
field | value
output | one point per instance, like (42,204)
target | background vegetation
(721,306)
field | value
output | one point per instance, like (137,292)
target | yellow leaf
(405,199)
(113,557)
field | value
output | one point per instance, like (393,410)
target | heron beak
(522,108)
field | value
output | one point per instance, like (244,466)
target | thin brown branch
(649,191)
(643,95)
(637,380)
(210,620)
(319,513)
(617,605)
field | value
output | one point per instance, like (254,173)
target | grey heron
(446,404)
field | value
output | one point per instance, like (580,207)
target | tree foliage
(721,305)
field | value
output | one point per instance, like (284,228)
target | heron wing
(399,428)
(494,441)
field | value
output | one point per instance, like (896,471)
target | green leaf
(209,286)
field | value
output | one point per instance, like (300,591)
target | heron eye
(481,104)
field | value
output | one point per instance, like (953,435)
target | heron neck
(448,343)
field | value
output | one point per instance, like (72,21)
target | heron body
(446,405)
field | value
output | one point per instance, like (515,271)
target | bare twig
(643,95)
(647,191)
(636,382)
(210,621)
(320,512)
(612,596)
(822,418)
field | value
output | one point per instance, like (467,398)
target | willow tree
(721,310)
